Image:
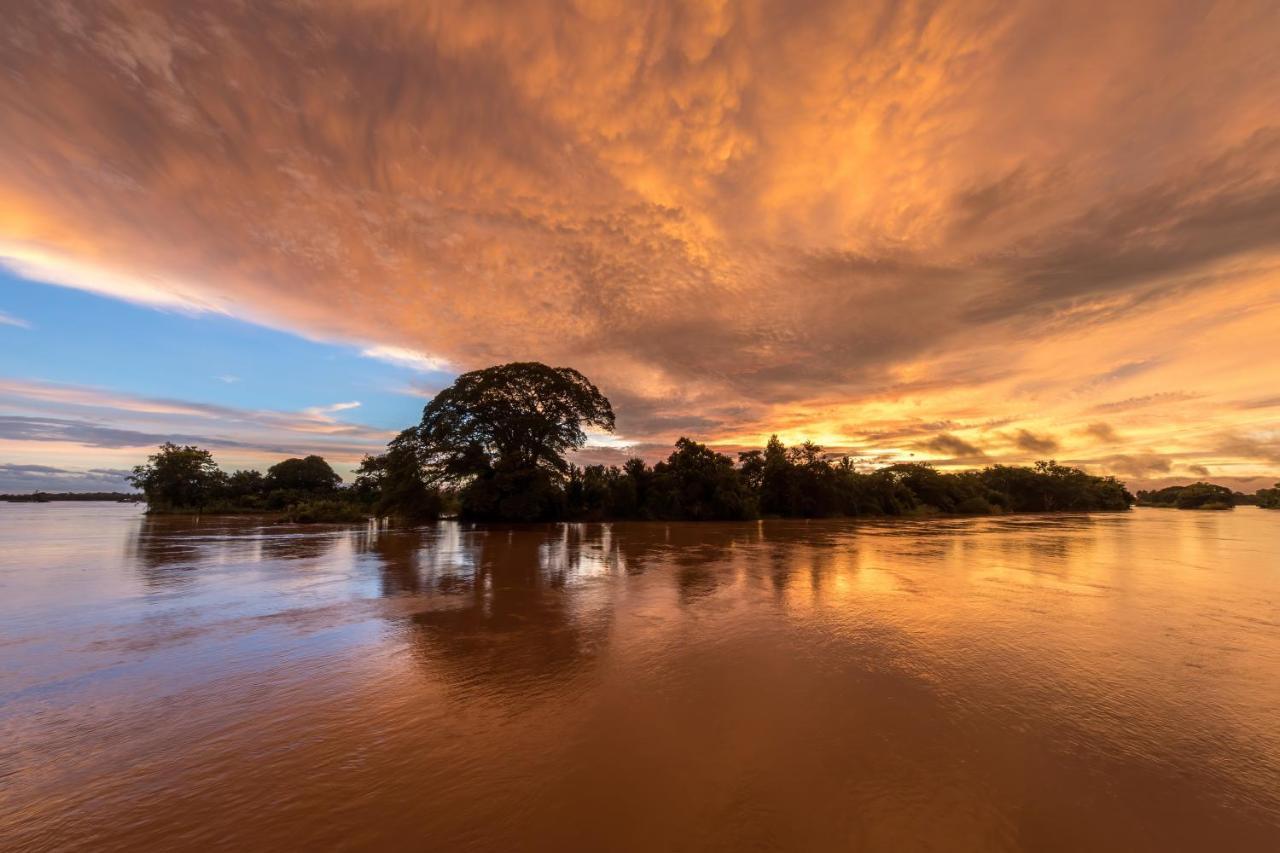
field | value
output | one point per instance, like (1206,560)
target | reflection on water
(1069,682)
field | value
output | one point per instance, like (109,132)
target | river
(1074,682)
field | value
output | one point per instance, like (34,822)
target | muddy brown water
(1089,682)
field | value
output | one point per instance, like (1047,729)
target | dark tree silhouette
(178,478)
(394,483)
(311,474)
(1194,496)
(501,434)
(494,444)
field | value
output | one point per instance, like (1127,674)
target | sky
(963,233)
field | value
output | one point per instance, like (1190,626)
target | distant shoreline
(56,497)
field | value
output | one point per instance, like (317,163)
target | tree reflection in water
(169,549)
(512,607)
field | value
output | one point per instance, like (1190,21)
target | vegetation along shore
(493,447)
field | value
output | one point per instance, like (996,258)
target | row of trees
(1269,498)
(695,482)
(186,479)
(1193,496)
(493,446)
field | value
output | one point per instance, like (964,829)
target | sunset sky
(960,232)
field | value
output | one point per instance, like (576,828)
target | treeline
(186,479)
(697,483)
(48,497)
(694,483)
(1208,496)
(493,446)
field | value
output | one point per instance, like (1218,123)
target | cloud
(1135,465)
(10,320)
(1102,431)
(733,217)
(142,289)
(24,479)
(332,408)
(1162,398)
(1264,448)
(99,418)
(1198,470)
(950,445)
(1032,443)
(227,379)
(87,434)
(402,357)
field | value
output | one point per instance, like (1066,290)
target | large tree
(502,434)
(178,478)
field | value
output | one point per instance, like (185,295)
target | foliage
(1050,487)
(1269,498)
(1194,496)
(394,483)
(696,483)
(500,435)
(186,479)
(325,511)
(310,474)
(493,445)
(178,478)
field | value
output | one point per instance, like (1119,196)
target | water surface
(1100,682)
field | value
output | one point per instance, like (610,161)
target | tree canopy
(1193,496)
(495,445)
(178,477)
(501,435)
(520,415)
(309,474)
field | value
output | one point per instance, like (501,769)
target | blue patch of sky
(80,338)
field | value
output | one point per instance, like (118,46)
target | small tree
(178,478)
(311,475)
(393,484)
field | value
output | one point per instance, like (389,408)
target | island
(493,447)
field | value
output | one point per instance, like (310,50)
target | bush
(325,512)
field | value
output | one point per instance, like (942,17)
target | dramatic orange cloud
(965,231)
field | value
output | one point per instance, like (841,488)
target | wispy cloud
(1035,444)
(10,320)
(947,444)
(152,290)
(23,479)
(325,412)
(404,357)
(95,417)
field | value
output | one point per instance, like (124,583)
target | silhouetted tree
(502,434)
(496,442)
(245,488)
(1269,498)
(178,478)
(698,484)
(1193,496)
(310,474)
(394,483)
